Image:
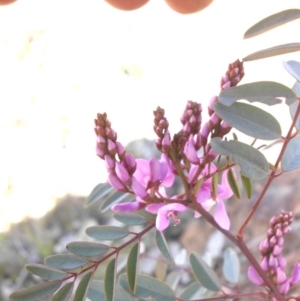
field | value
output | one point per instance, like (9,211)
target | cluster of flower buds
(180,156)
(272,260)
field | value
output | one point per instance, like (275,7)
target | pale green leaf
(133,266)
(110,280)
(173,279)
(272,22)
(231,266)
(233,183)
(96,292)
(252,162)
(193,291)
(98,193)
(163,246)
(106,232)
(83,286)
(65,261)
(247,184)
(250,120)
(116,198)
(265,92)
(291,157)
(86,249)
(64,292)
(149,287)
(204,273)
(130,218)
(293,68)
(293,107)
(272,51)
(45,272)
(36,292)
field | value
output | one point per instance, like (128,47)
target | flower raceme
(188,156)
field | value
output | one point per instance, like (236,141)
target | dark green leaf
(133,266)
(96,292)
(250,120)
(98,193)
(204,273)
(231,266)
(293,67)
(36,292)
(130,218)
(86,249)
(265,92)
(272,21)
(116,198)
(193,291)
(110,280)
(269,52)
(233,183)
(163,246)
(106,232)
(65,261)
(45,272)
(83,287)
(291,157)
(149,287)
(293,107)
(252,162)
(64,292)
(247,184)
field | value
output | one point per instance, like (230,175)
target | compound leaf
(65,261)
(133,266)
(98,193)
(64,292)
(110,280)
(86,249)
(163,246)
(247,184)
(115,198)
(291,157)
(130,218)
(83,287)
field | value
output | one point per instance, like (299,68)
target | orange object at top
(5,2)
(188,6)
(127,4)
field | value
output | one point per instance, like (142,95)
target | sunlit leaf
(163,246)
(96,292)
(247,184)
(293,107)
(204,273)
(36,292)
(293,68)
(130,218)
(272,51)
(252,162)
(231,266)
(116,198)
(98,193)
(291,157)
(65,261)
(86,249)
(149,287)
(272,22)
(45,272)
(64,292)
(265,92)
(106,232)
(133,266)
(191,292)
(233,184)
(83,287)
(110,280)
(250,120)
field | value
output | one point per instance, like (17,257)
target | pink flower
(204,196)
(164,212)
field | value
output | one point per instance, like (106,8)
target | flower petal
(254,277)
(128,207)
(220,215)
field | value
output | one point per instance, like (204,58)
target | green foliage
(163,246)
(133,266)
(291,157)
(106,232)
(45,272)
(130,218)
(83,286)
(65,261)
(86,249)
(233,184)
(247,184)
(110,280)
(64,292)
(98,193)
(231,266)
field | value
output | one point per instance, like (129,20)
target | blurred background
(63,61)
